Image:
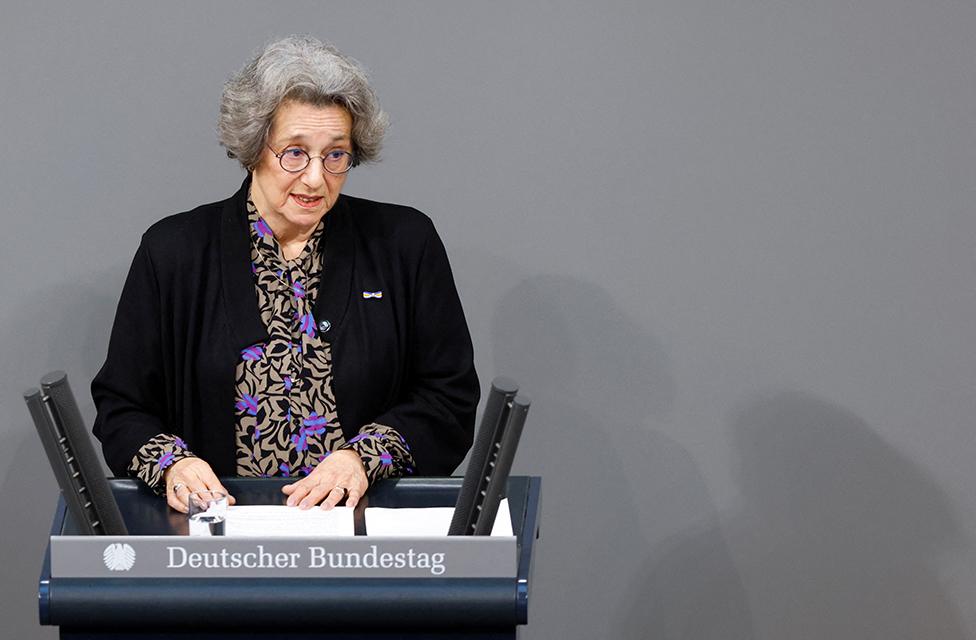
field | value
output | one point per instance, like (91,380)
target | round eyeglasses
(296,160)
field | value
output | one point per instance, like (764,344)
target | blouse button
(324,326)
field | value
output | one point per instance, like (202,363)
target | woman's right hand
(187,476)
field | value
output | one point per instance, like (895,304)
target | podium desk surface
(167,604)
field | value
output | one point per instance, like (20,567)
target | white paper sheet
(279,520)
(429,521)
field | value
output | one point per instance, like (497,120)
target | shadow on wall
(689,589)
(615,489)
(28,495)
(565,333)
(64,327)
(840,535)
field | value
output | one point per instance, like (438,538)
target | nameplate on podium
(233,557)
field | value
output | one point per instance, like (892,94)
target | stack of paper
(274,521)
(426,522)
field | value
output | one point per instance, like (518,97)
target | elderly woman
(290,330)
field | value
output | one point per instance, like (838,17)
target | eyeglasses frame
(352,161)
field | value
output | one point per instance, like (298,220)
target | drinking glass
(207,512)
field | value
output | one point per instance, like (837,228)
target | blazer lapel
(338,249)
(240,299)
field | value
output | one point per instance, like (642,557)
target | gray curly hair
(303,69)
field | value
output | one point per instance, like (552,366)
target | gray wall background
(728,247)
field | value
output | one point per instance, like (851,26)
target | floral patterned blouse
(286,412)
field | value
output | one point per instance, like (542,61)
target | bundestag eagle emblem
(119,556)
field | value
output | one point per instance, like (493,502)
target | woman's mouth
(306,202)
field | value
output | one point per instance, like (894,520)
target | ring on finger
(342,489)
(177,487)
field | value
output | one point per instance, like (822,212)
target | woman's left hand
(341,474)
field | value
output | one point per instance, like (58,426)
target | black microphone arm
(69,450)
(491,459)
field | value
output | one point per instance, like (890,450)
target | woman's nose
(314,174)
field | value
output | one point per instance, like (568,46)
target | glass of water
(207,512)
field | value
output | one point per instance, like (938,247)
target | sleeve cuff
(153,458)
(384,452)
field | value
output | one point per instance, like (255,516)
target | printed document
(279,520)
(426,522)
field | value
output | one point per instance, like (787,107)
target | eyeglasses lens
(295,160)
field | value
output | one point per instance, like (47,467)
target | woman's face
(293,203)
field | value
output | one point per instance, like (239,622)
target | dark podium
(268,607)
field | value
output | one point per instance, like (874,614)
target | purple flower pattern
(253,353)
(155,457)
(165,460)
(295,355)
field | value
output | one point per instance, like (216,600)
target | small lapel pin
(372,294)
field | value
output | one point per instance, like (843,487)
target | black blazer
(189,307)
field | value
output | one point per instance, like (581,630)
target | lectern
(467,600)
